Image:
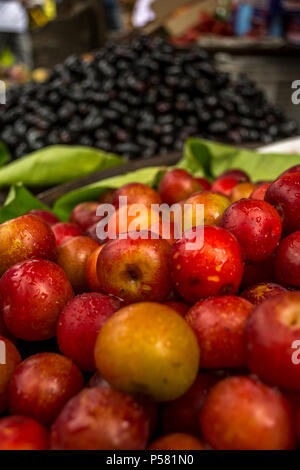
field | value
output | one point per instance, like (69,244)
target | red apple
(257,227)
(65,231)
(11,358)
(260,292)
(182,415)
(42,384)
(135,270)
(177,185)
(287,261)
(137,193)
(215,268)
(26,237)
(101,419)
(47,216)
(219,324)
(224,185)
(177,441)
(84,215)
(243,414)
(284,195)
(79,324)
(214,206)
(260,192)
(73,256)
(22,433)
(273,331)
(32,295)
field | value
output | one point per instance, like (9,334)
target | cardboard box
(177,25)
(163,9)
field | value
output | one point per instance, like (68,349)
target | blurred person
(113,15)
(14,31)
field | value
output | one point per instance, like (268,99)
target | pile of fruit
(138,99)
(144,342)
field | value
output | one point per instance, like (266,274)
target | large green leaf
(19,201)
(56,165)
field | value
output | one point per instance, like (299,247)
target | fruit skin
(182,415)
(260,292)
(255,273)
(256,225)
(101,419)
(22,433)
(283,194)
(241,413)
(204,183)
(42,384)
(137,193)
(214,207)
(73,256)
(65,231)
(177,441)
(272,329)
(179,307)
(79,324)
(26,237)
(91,271)
(260,192)
(240,175)
(287,261)
(135,270)
(32,295)
(242,191)
(47,216)
(132,218)
(177,185)
(219,324)
(84,215)
(225,185)
(148,348)
(12,358)
(215,269)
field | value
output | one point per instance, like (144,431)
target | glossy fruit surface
(84,215)
(260,292)
(47,216)
(177,185)
(214,206)
(65,231)
(91,270)
(42,384)
(10,358)
(22,433)
(148,348)
(287,261)
(32,295)
(137,193)
(177,441)
(242,191)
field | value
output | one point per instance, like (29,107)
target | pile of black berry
(139,99)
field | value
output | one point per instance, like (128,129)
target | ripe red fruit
(26,237)
(177,441)
(84,215)
(135,270)
(79,324)
(22,433)
(179,307)
(73,256)
(243,414)
(240,175)
(137,193)
(12,359)
(273,331)
(260,292)
(214,269)
(293,169)
(256,225)
(47,216)
(101,419)
(204,183)
(177,185)
(225,185)
(42,384)
(182,415)
(284,195)
(242,191)
(255,273)
(65,231)
(91,271)
(260,192)
(287,261)
(32,295)
(219,324)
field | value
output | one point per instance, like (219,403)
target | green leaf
(19,201)
(210,159)
(63,206)
(56,165)
(4,154)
